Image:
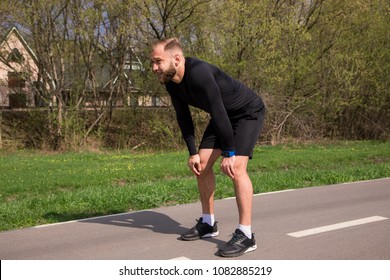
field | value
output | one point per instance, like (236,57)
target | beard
(166,76)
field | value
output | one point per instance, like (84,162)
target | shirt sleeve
(184,119)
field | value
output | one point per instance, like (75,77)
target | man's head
(168,60)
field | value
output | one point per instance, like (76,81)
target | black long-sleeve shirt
(206,87)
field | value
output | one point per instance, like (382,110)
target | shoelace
(236,238)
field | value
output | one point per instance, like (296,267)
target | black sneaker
(238,245)
(200,230)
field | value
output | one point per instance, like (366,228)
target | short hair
(169,44)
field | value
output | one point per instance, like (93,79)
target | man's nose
(155,67)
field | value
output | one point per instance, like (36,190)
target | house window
(16,80)
(157,101)
(15,56)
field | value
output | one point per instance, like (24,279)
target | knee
(206,173)
(240,175)
(240,172)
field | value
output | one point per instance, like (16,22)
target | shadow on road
(154,221)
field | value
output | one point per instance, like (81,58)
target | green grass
(38,188)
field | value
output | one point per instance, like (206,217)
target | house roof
(15,31)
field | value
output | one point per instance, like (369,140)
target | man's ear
(177,59)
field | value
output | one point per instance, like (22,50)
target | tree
(357,82)
(83,50)
(322,66)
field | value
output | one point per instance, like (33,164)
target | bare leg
(206,180)
(243,240)
(244,190)
(202,166)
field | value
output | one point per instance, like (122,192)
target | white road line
(337,226)
(261,194)
(180,258)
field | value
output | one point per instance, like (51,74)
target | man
(237,116)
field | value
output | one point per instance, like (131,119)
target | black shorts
(246,123)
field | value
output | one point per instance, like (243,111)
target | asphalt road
(337,222)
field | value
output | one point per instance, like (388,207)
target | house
(19,74)
(18,70)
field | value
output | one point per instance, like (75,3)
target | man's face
(162,64)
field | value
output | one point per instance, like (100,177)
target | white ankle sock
(208,218)
(247,230)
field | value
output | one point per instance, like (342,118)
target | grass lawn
(38,188)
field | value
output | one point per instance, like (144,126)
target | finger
(195,170)
(198,167)
(226,170)
(231,172)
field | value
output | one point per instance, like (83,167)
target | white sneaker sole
(250,249)
(209,235)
